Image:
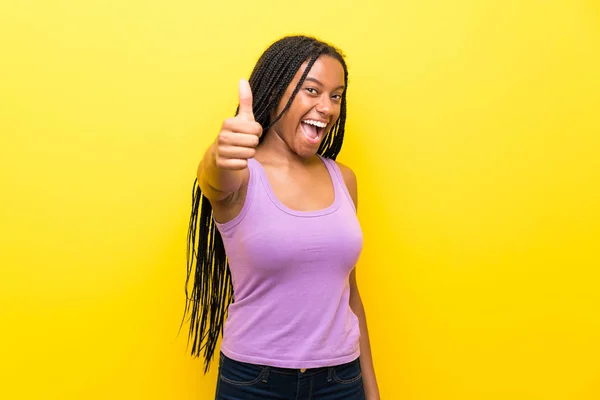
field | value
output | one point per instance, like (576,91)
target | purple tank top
(290,272)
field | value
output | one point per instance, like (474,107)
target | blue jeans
(243,381)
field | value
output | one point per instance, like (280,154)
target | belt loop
(265,377)
(329,374)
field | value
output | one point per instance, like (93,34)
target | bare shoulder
(350,181)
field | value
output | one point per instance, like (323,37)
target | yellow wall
(472,129)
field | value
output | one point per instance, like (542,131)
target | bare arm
(217,184)
(356,304)
(366,358)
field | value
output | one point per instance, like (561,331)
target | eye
(311,90)
(337,97)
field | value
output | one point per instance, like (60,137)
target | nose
(324,106)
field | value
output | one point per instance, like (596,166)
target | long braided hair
(207,264)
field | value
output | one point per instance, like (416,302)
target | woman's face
(315,108)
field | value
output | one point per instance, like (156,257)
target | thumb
(245,109)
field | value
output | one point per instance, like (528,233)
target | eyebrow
(308,78)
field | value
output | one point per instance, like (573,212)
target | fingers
(242,126)
(245,110)
(238,140)
(233,152)
(239,136)
(231,164)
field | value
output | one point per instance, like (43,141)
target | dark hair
(207,263)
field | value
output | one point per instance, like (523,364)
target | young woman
(274,239)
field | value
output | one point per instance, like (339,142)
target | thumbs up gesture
(238,138)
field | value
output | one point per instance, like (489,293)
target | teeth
(315,123)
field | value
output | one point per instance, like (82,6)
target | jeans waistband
(297,371)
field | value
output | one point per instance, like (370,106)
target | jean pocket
(347,373)
(239,373)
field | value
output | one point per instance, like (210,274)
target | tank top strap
(338,180)
(252,165)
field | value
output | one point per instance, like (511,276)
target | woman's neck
(275,151)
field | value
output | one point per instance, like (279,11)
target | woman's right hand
(238,138)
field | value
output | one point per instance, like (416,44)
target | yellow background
(472,127)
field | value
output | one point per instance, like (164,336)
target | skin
(297,176)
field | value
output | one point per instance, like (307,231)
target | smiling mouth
(313,129)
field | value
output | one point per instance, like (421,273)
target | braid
(207,265)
